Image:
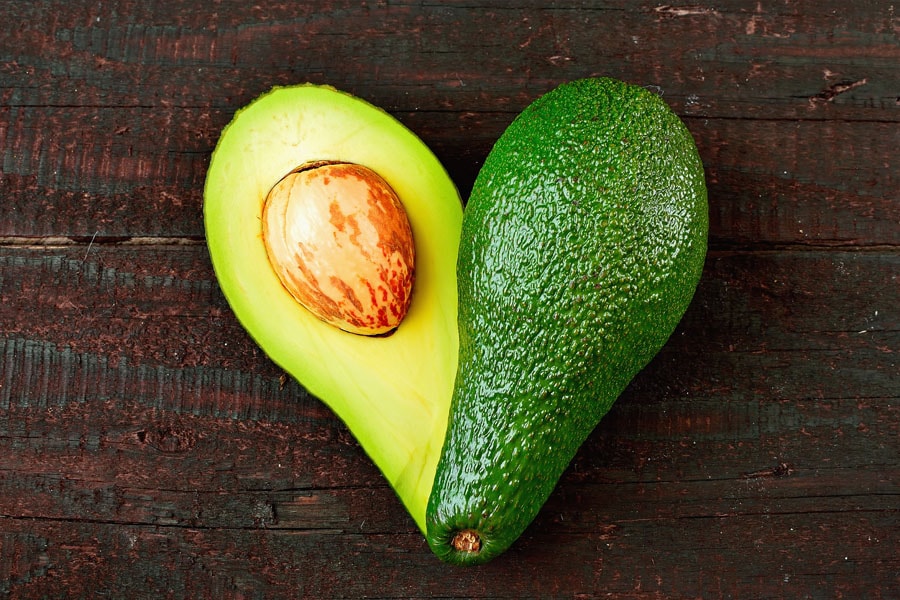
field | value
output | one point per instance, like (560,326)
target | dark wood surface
(148,449)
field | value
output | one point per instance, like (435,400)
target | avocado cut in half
(582,243)
(392,391)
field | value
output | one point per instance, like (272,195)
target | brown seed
(340,241)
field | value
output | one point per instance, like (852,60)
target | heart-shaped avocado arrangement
(470,352)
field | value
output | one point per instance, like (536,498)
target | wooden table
(148,448)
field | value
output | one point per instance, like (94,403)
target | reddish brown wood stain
(149,449)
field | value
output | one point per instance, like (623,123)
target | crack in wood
(835,90)
(97,239)
(782,469)
(685,11)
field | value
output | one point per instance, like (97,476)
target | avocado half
(393,392)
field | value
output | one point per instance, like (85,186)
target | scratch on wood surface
(685,11)
(91,243)
(780,470)
(832,91)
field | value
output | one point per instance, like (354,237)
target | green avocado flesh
(393,392)
(582,244)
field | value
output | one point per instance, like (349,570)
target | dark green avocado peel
(582,244)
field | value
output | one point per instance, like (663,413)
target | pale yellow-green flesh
(392,392)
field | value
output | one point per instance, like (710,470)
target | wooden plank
(797,148)
(805,183)
(711,557)
(734,58)
(120,461)
(827,183)
(152,325)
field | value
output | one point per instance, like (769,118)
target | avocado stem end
(467,541)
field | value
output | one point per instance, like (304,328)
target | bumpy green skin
(582,245)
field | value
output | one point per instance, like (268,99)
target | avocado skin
(582,244)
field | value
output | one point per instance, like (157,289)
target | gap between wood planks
(74,241)
(719,246)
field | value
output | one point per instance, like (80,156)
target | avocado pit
(339,239)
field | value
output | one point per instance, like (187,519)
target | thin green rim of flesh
(392,392)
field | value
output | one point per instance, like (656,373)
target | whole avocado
(582,244)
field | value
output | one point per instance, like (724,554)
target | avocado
(582,243)
(391,388)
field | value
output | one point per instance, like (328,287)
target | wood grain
(148,448)
(761,425)
(108,109)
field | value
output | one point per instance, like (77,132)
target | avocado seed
(340,241)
